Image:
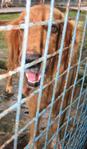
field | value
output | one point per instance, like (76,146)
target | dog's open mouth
(33,78)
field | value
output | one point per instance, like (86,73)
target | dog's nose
(32,57)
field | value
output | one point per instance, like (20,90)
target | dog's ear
(68,41)
(13,39)
(69,34)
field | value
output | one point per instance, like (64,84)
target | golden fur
(37,34)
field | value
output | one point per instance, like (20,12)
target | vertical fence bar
(57,74)
(85,100)
(44,66)
(77,128)
(72,95)
(80,96)
(81,128)
(84,33)
(80,136)
(24,47)
(69,65)
(80,92)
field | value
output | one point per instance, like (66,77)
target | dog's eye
(45,27)
(54,29)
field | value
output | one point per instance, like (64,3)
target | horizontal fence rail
(73,128)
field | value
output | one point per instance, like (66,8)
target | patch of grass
(3,44)
(2,41)
(3,48)
(72,14)
(6,17)
(9,16)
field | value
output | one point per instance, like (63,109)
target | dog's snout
(32,57)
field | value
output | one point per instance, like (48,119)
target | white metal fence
(73,137)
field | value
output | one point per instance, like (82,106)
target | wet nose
(32,57)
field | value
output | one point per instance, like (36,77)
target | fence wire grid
(14,119)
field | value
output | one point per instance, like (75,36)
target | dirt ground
(7,123)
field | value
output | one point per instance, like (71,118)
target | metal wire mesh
(74,127)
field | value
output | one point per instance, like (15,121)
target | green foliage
(8,16)
(73,13)
(3,44)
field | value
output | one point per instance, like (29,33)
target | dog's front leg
(9,85)
(32,106)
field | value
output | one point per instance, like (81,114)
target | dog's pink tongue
(32,77)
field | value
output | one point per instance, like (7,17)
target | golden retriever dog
(34,51)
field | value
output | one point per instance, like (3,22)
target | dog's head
(37,40)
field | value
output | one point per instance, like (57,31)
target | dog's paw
(31,145)
(9,89)
(53,145)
